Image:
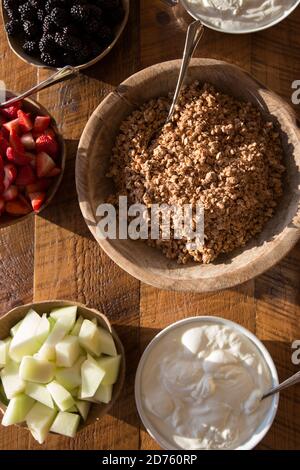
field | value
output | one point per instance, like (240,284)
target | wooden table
(53,256)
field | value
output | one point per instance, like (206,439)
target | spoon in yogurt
(287,383)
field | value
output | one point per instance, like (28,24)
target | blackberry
(27,12)
(93,26)
(48,25)
(36,4)
(95,49)
(68,43)
(114,16)
(105,35)
(47,43)
(83,54)
(40,14)
(71,30)
(31,29)
(59,16)
(31,47)
(13,27)
(80,12)
(96,12)
(107,4)
(50,4)
(49,59)
(68,59)
(9,4)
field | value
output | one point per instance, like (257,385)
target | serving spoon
(287,383)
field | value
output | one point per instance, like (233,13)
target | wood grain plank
(164,41)
(68,261)
(276,62)
(17,241)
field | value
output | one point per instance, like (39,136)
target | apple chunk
(14,329)
(4,348)
(103,394)
(11,381)
(25,342)
(39,421)
(77,326)
(59,331)
(83,408)
(65,314)
(67,351)
(111,367)
(17,410)
(66,424)
(36,370)
(70,377)
(39,393)
(43,329)
(96,340)
(91,375)
(61,396)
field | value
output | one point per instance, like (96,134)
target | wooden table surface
(53,256)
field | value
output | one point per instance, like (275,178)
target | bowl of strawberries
(32,159)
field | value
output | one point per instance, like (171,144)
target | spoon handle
(193,36)
(287,383)
(61,75)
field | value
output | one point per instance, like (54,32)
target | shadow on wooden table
(288,416)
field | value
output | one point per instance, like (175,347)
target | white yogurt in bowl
(199,386)
(240,16)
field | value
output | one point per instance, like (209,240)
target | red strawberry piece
(10,174)
(11,112)
(39,186)
(2,205)
(1,167)
(37,200)
(11,193)
(55,172)
(48,144)
(32,158)
(16,158)
(18,207)
(2,187)
(16,143)
(44,164)
(41,123)
(3,145)
(24,121)
(12,126)
(25,176)
(28,141)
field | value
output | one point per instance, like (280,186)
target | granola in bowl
(217,150)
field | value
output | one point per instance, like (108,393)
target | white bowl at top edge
(241,31)
(266,424)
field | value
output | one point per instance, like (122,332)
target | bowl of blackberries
(55,33)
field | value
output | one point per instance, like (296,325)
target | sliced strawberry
(37,200)
(11,112)
(16,158)
(2,205)
(44,164)
(2,187)
(3,145)
(55,172)
(46,143)
(18,207)
(10,174)
(32,158)
(39,186)
(25,176)
(25,121)
(16,143)
(1,167)
(12,126)
(11,193)
(41,123)
(28,141)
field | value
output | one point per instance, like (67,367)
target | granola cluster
(216,150)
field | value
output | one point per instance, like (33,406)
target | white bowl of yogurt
(240,16)
(199,385)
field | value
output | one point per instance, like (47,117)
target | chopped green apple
(67,351)
(43,329)
(70,377)
(15,328)
(40,393)
(25,342)
(75,392)
(65,314)
(3,397)
(77,326)
(4,348)
(107,343)
(59,331)
(12,383)
(36,370)
(52,322)
(103,394)
(66,424)
(17,410)
(61,396)
(73,409)
(91,376)
(83,408)
(111,367)
(39,421)
(89,338)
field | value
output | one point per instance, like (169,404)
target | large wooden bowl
(15,45)
(146,263)
(33,107)
(8,320)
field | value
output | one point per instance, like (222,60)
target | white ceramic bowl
(277,20)
(265,425)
